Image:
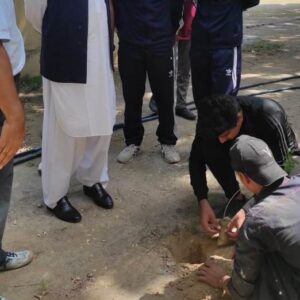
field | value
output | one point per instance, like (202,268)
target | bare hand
(208,221)
(11,139)
(13,129)
(213,274)
(236,223)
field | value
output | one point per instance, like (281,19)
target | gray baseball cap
(253,157)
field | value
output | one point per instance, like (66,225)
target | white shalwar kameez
(78,118)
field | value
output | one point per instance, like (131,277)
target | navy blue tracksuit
(146,33)
(216,69)
(216,48)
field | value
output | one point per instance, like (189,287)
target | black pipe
(245,87)
(275,91)
(30,151)
(267,92)
(36,152)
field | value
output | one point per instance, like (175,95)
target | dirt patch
(195,248)
(190,250)
(147,247)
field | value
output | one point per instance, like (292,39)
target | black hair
(216,114)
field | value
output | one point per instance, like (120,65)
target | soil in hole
(195,248)
(189,250)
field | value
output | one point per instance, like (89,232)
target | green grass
(290,163)
(30,84)
(264,47)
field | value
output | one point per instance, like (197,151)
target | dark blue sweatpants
(215,71)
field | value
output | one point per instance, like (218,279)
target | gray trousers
(183,72)
(6,178)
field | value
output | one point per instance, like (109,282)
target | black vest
(64,40)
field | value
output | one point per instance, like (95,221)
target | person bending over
(221,119)
(267,259)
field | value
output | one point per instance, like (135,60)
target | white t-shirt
(10,35)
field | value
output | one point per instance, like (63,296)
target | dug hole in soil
(188,251)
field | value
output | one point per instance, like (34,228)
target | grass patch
(30,84)
(290,163)
(264,47)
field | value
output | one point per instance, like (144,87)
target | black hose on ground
(291,88)
(250,86)
(36,152)
(27,155)
(267,92)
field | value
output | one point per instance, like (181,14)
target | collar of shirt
(268,190)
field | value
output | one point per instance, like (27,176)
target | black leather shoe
(99,195)
(185,113)
(65,211)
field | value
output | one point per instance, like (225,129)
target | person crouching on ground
(221,119)
(267,259)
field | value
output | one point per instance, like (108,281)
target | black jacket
(148,23)
(267,261)
(264,119)
(217,24)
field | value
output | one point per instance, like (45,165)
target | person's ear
(239,117)
(244,178)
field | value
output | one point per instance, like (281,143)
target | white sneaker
(128,153)
(15,260)
(2,298)
(170,154)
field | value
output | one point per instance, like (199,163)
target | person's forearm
(13,129)
(9,100)
(197,170)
